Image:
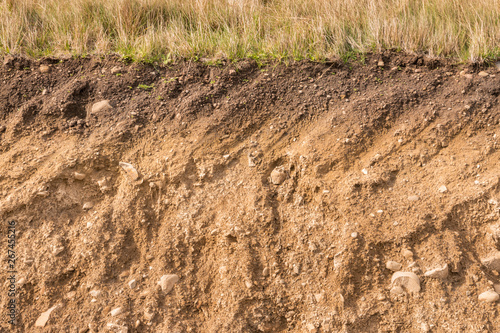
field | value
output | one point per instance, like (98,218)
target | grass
(166,30)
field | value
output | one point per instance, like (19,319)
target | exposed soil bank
(277,195)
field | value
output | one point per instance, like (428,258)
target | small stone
(116,69)
(2,128)
(483,74)
(397,290)
(71,295)
(438,273)
(468,76)
(43,194)
(442,188)
(380,63)
(167,282)
(265,272)
(116,312)
(311,328)
(407,254)
(21,282)
(413,198)
(248,284)
(44,317)
(424,327)
(44,69)
(8,61)
(79,176)
(132,284)
(44,92)
(149,315)
(354,234)
(278,175)
(393,266)
(117,328)
(407,280)
(101,106)
(488,296)
(95,293)
(251,161)
(492,262)
(87,206)
(129,170)
(318,297)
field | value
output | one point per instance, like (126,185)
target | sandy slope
(276,195)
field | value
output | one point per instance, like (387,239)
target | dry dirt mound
(246,199)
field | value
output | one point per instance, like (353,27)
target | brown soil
(359,152)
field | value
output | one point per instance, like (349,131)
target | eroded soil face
(276,195)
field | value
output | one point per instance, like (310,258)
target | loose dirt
(313,197)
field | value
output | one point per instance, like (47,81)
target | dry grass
(285,29)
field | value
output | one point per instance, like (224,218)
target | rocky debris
(265,272)
(413,198)
(44,69)
(167,282)
(101,106)
(132,284)
(442,188)
(44,317)
(438,273)
(278,175)
(88,205)
(492,262)
(380,63)
(79,176)
(130,171)
(407,280)
(354,234)
(488,296)
(393,266)
(116,312)
(483,74)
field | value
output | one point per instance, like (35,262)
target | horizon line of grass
(167,30)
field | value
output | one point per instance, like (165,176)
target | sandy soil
(247,199)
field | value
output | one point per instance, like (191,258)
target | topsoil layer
(277,195)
